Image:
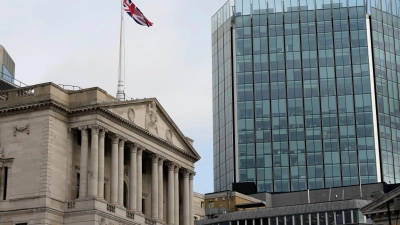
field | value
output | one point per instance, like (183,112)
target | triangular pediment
(380,204)
(149,115)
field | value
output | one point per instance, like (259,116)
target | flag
(136,14)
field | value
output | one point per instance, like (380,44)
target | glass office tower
(306,93)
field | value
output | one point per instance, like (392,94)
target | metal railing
(70,87)
(11,80)
(215,211)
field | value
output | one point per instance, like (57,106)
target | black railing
(11,80)
(70,87)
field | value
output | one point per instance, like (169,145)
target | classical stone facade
(199,207)
(82,157)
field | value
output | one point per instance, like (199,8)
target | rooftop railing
(11,80)
(70,87)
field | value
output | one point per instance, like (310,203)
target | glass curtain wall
(223,128)
(385,22)
(304,112)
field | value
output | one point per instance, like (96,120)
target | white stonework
(41,145)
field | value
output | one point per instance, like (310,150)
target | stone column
(154,187)
(176,195)
(83,164)
(69,164)
(121,172)
(94,162)
(160,190)
(191,218)
(185,197)
(139,179)
(114,170)
(133,178)
(100,185)
(171,192)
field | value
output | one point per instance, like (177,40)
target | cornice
(48,104)
(129,125)
(380,200)
(64,110)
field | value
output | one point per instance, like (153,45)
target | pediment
(380,204)
(149,115)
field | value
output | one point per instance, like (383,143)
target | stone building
(82,157)
(199,207)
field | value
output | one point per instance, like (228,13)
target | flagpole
(120,89)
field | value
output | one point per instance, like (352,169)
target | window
(347,216)
(201,204)
(104,191)
(289,220)
(331,218)
(339,217)
(322,219)
(78,178)
(144,165)
(143,206)
(306,220)
(5,182)
(21,224)
(297,220)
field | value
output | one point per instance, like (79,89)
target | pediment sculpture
(151,117)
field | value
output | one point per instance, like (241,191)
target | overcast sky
(76,43)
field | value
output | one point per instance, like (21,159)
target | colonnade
(92,184)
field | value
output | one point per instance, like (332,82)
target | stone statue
(151,117)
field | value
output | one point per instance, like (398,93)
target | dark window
(331,218)
(257,222)
(249,222)
(125,195)
(21,224)
(297,220)
(143,206)
(78,178)
(5,182)
(144,162)
(273,220)
(104,191)
(306,220)
(79,137)
(314,219)
(347,217)
(281,220)
(265,221)
(322,219)
(242,222)
(339,217)
(289,220)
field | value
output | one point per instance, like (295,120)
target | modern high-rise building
(7,70)
(306,93)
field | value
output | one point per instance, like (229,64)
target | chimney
(190,140)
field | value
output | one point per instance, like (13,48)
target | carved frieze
(151,118)
(131,115)
(168,135)
(21,129)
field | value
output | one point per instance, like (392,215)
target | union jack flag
(136,14)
